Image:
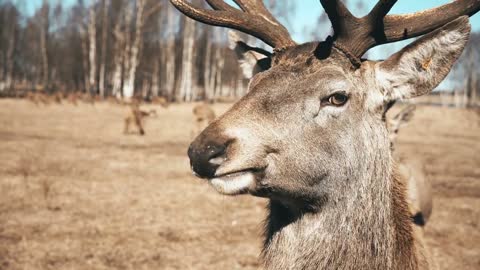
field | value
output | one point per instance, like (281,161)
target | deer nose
(205,158)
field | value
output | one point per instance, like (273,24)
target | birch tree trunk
(101,83)
(129,83)
(187,83)
(9,57)
(219,63)
(208,69)
(43,44)
(84,41)
(155,86)
(121,47)
(240,89)
(92,36)
(218,76)
(170,55)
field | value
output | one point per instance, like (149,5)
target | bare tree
(44,27)
(10,37)
(169,53)
(85,56)
(187,83)
(121,48)
(155,79)
(129,81)
(103,60)
(92,53)
(133,52)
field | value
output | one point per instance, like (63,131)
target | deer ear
(252,60)
(420,67)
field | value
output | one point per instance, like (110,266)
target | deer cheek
(311,108)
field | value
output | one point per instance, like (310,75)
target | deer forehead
(281,81)
(282,86)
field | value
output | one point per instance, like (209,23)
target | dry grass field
(76,193)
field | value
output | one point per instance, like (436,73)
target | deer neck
(368,227)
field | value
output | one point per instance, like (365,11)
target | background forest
(126,48)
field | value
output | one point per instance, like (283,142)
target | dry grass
(75,193)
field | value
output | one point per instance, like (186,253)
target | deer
(419,188)
(309,134)
(162,101)
(38,98)
(72,98)
(137,117)
(203,115)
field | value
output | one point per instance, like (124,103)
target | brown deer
(38,98)
(203,115)
(411,169)
(162,101)
(310,137)
(72,98)
(137,117)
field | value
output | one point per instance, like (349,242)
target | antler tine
(254,20)
(257,6)
(399,27)
(219,5)
(339,16)
(381,10)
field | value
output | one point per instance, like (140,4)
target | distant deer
(38,98)
(162,101)
(203,115)
(419,188)
(87,98)
(310,137)
(137,117)
(72,98)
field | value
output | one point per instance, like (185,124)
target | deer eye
(337,99)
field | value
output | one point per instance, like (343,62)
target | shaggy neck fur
(366,227)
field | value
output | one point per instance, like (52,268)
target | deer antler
(358,35)
(253,19)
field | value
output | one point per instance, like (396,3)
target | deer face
(312,121)
(281,136)
(310,124)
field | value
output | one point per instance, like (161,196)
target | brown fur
(38,98)
(162,101)
(326,167)
(203,115)
(411,170)
(137,117)
(72,98)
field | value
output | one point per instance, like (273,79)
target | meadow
(77,193)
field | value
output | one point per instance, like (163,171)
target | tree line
(127,48)
(121,48)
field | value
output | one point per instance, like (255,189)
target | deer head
(312,121)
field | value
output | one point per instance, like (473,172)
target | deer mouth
(234,183)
